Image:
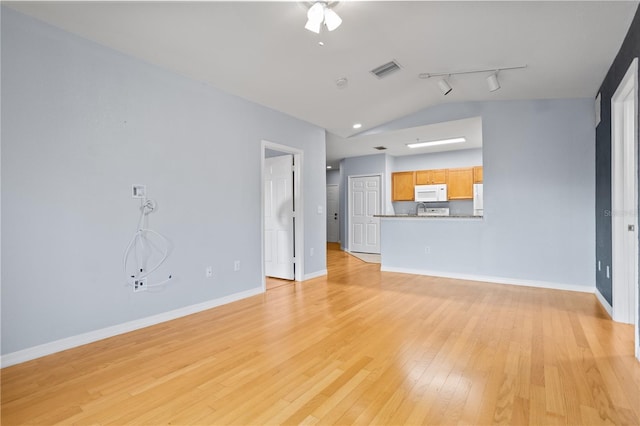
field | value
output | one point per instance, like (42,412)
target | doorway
(624,192)
(282,212)
(364,204)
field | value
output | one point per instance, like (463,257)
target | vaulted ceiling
(260,50)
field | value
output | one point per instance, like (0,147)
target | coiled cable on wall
(142,247)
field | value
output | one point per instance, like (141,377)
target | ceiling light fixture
(492,79)
(320,13)
(418,144)
(492,82)
(329,167)
(357,125)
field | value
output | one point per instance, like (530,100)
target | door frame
(298,205)
(628,87)
(348,211)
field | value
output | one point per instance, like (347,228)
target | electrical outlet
(236,265)
(209,272)
(140,285)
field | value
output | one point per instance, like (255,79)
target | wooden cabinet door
(460,184)
(402,186)
(477,174)
(439,176)
(423,177)
(431,177)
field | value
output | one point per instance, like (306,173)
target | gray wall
(539,197)
(80,124)
(333,177)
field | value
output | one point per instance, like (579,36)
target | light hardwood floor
(356,347)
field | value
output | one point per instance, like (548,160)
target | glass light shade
(313,26)
(331,19)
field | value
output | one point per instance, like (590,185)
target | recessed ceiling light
(328,167)
(419,144)
(320,43)
(342,82)
(357,125)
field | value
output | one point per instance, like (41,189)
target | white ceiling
(261,51)
(396,141)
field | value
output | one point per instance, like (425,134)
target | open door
(279,217)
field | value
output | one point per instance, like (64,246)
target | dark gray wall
(629,50)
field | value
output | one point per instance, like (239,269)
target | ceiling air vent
(380,148)
(385,69)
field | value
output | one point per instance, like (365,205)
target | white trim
(298,156)
(624,208)
(103,333)
(490,279)
(320,273)
(604,303)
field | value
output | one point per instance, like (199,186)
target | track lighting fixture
(444,86)
(492,80)
(320,13)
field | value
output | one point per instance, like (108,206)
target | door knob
(631,228)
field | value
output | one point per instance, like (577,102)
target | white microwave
(430,193)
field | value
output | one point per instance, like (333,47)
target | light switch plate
(138,191)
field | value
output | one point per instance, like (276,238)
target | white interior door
(278,217)
(333,232)
(624,200)
(364,202)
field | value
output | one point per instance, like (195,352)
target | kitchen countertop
(414,216)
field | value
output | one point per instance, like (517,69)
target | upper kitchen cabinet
(402,184)
(477,174)
(460,184)
(431,177)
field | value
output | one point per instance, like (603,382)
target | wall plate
(138,191)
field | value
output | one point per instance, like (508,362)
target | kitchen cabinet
(477,174)
(402,186)
(431,177)
(460,184)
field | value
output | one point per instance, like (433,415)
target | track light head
(492,82)
(444,86)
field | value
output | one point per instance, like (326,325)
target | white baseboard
(93,336)
(607,307)
(490,279)
(320,273)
